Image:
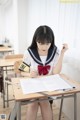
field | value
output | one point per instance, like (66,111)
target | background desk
(19,96)
(5,49)
(6,63)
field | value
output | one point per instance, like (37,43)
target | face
(43,47)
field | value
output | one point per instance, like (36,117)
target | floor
(7,110)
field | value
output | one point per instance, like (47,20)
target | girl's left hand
(64,48)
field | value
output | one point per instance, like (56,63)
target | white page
(47,83)
(55,82)
(31,86)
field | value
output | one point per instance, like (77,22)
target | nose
(44,46)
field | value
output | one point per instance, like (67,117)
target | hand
(64,48)
(33,73)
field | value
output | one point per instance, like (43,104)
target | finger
(65,46)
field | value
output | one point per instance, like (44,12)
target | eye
(40,43)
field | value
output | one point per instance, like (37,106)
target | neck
(42,53)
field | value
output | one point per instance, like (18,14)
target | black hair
(43,34)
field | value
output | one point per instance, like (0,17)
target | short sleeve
(25,65)
(26,58)
(56,57)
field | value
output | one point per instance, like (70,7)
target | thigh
(32,105)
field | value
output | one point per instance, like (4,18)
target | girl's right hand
(33,73)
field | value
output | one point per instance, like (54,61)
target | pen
(69,89)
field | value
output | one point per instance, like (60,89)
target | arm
(25,74)
(25,65)
(58,66)
(32,74)
(25,68)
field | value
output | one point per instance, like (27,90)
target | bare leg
(46,110)
(32,111)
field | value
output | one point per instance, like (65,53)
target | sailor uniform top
(43,64)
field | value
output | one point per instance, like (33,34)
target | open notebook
(46,83)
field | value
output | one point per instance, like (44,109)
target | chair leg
(7,95)
(51,102)
(11,118)
(3,95)
(61,105)
(3,99)
(51,106)
(52,109)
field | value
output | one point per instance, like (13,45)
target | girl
(43,58)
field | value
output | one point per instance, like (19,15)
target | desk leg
(75,106)
(61,108)
(13,113)
(18,110)
(3,89)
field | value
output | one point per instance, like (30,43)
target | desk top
(6,49)
(8,62)
(20,96)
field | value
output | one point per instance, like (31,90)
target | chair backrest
(16,67)
(14,56)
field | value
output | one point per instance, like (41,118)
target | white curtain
(63,18)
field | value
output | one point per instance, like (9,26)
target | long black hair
(43,34)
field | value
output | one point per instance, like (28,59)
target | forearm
(25,74)
(58,66)
(31,74)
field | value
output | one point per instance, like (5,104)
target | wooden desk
(6,63)
(6,49)
(19,96)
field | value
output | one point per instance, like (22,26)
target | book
(45,83)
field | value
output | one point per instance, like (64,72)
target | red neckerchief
(43,70)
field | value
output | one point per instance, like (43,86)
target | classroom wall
(73,72)
(11,24)
(22,25)
(1,24)
(68,108)
(22,17)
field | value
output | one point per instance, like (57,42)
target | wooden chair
(15,73)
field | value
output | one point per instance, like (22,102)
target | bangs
(43,35)
(44,39)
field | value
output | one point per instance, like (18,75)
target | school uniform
(43,64)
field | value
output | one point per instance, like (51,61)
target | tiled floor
(24,109)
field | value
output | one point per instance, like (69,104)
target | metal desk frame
(16,112)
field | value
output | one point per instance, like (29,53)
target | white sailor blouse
(43,64)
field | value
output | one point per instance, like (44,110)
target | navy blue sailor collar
(34,54)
